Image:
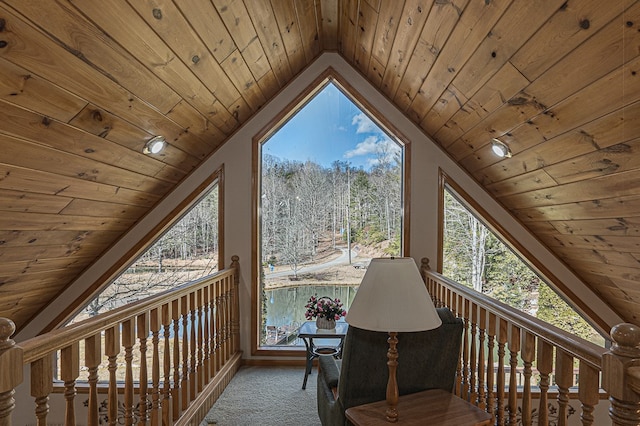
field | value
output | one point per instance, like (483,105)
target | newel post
(10,370)
(621,375)
(424,266)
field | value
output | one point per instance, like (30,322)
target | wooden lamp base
(392,383)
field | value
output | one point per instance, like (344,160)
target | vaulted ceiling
(84,84)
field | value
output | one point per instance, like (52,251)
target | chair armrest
(330,370)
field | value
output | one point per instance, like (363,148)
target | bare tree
(187,251)
(465,244)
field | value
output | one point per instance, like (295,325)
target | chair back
(426,360)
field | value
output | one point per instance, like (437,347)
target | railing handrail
(180,346)
(37,347)
(574,345)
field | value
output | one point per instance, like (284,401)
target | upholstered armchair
(427,360)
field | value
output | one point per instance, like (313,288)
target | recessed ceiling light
(154,145)
(500,148)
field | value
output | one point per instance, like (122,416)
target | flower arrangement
(324,307)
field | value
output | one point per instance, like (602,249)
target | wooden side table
(434,407)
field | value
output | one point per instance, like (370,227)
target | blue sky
(330,127)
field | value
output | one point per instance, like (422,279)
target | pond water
(286,306)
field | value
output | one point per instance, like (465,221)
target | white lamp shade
(393,297)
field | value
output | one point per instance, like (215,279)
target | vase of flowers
(326,311)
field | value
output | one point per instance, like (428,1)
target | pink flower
(324,307)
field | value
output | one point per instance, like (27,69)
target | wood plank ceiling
(84,84)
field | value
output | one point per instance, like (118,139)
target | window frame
(327,77)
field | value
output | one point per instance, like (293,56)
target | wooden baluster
(588,391)
(193,381)
(235,304)
(491,370)
(439,294)
(527,354)
(464,311)
(620,375)
(456,300)
(221,337)
(545,366)
(92,359)
(460,367)
(42,386)
(220,324)
(482,325)
(449,298)
(218,327)
(227,320)
(206,327)
(223,326)
(430,289)
(155,322)
(200,370)
(142,330)
(230,301)
(500,382)
(112,349)
(434,291)
(128,340)
(166,363)
(514,349)
(564,380)
(473,355)
(184,383)
(175,389)
(69,372)
(212,330)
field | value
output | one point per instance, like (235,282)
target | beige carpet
(266,396)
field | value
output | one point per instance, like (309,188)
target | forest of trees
(187,251)
(474,256)
(304,205)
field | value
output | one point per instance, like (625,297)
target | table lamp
(393,298)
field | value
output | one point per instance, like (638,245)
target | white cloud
(364,123)
(376,148)
(367,147)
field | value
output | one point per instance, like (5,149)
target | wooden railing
(161,360)
(499,339)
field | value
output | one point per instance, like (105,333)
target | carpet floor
(266,396)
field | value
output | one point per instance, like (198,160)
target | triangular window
(186,250)
(475,256)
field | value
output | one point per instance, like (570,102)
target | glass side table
(332,341)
